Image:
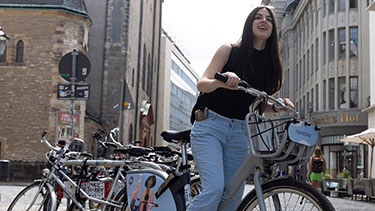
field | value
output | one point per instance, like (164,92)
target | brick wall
(28,89)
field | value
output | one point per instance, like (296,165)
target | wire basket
(284,140)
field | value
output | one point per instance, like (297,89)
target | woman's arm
(309,168)
(208,83)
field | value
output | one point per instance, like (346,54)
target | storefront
(342,155)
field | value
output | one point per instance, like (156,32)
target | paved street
(8,192)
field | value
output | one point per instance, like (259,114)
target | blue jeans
(219,145)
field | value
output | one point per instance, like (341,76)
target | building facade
(40,32)
(178,92)
(326,73)
(371,109)
(126,46)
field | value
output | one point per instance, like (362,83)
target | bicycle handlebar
(43,139)
(244,86)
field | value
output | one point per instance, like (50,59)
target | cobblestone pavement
(9,191)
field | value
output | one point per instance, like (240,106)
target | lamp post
(3,41)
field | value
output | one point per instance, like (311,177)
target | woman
(317,168)
(219,141)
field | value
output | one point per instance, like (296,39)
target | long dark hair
(271,49)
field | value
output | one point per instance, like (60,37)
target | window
(353,98)
(341,46)
(353,42)
(342,5)
(133,75)
(324,47)
(317,97)
(308,103)
(296,77)
(3,58)
(144,67)
(324,7)
(341,92)
(312,59)
(353,4)
(331,50)
(312,100)
(331,93)
(304,69)
(19,52)
(130,134)
(308,64)
(324,91)
(317,54)
(331,6)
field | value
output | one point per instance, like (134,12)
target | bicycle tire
(24,198)
(299,195)
(122,198)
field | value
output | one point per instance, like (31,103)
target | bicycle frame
(119,175)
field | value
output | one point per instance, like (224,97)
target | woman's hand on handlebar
(232,80)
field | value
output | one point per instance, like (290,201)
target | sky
(200,27)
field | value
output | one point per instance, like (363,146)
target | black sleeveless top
(235,104)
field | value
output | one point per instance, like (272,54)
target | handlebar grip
(223,78)
(44,134)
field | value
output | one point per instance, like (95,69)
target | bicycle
(41,195)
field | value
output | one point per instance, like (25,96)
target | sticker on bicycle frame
(141,189)
(96,189)
(303,133)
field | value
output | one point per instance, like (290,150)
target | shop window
(341,46)
(331,93)
(353,42)
(353,3)
(331,52)
(353,92)
(19,52)
(3,58)
(341,92)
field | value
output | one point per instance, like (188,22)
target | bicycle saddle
(176,136)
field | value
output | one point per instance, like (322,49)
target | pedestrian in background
(219,140)
(317,168)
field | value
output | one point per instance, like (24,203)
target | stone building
(178,91)
(41,32)
(325,53)
(371,109)
(124,47)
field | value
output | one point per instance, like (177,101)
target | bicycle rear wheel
(287,194)
(43,198)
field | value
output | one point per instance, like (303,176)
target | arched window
(19,52)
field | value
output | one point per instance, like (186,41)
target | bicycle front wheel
(287,194)
(33,197)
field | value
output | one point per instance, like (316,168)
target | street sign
(83,66)
(81,91)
